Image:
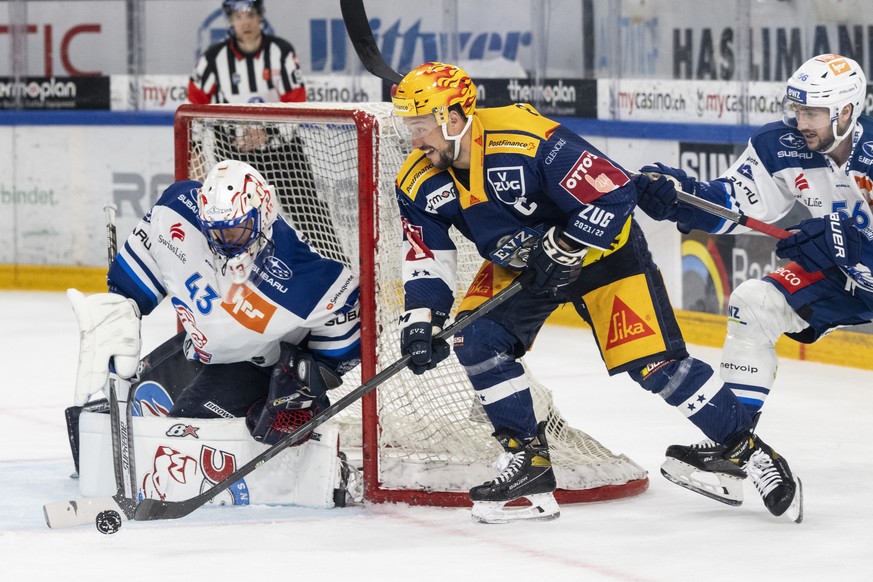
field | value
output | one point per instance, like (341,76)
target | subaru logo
(792,141)
(277,268)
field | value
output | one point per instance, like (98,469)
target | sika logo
(176,232)
(625,325)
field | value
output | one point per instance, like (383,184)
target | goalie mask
(829,82)
(427,92)
(236,211)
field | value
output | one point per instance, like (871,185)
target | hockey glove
(553,263)
(822,242)
(417,338)
(298,391)
(656,196)
(109,335)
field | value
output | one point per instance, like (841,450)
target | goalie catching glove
(554,262)
(109,338)
(298,391)
(419,328)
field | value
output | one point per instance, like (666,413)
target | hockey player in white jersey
(269,325)
(819,156)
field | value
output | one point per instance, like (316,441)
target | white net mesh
(433,433)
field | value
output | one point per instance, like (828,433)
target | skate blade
(728,489)
(543,508)
(794,512)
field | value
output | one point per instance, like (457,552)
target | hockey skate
(525,472)
(704,468)
(781,490)
(717,471)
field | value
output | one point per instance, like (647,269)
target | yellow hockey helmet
(433,88)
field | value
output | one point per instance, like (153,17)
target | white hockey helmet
(237,209)
(830,81)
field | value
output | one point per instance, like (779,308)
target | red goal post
(422,440)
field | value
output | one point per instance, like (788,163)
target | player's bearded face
(427,135)
(816,126)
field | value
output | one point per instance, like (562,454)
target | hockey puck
(108,522)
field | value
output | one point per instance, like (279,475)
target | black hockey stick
(85,511)
(361,35)
(151,509)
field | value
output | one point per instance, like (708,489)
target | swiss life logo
(176,232)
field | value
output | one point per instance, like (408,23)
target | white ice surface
(820,417)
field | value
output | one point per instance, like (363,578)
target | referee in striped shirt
(248,67)
(253,67)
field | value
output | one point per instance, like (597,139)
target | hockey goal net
(423,439)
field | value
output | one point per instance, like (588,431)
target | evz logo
(508,185)
(798,95)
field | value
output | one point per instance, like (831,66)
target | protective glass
(794,113)
(416,127)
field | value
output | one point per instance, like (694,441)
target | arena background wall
(89,87)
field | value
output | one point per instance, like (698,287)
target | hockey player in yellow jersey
(540,203)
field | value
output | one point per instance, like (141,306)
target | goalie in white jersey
(269,325)
(819,156)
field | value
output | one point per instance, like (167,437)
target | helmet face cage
(431,89)
(828,81)
(235,208)
(231,237)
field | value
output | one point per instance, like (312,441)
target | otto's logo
(277,268)
(591,177)
(792,141)
(176,232)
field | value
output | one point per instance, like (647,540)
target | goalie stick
(153,509)
(75,512)
(361,35)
